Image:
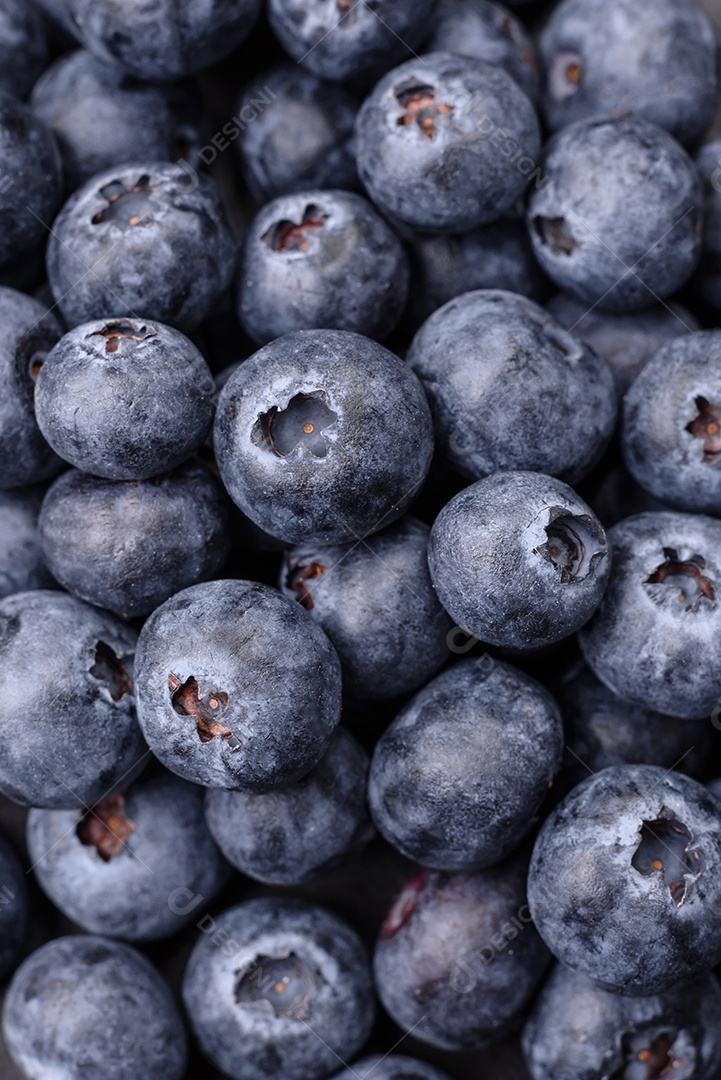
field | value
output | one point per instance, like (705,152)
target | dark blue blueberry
(625,880)
(446,143)
(22,566)
(31,184)
(91,1007)
(342,40)
(510,389)
(656,637)
(29,333)
(577,1031)
(321,259)
(377,604)
(302,830)
(627,240)
(23,47)
(657,59)
(129,545)
(390,1067)
(458,957)
(124,399)
(323,436)
(68,732)
(103,118)
(14,907)
(279,988)
(457,778)
(127,866)
(706,282)
(296,132)
(150,240)
(626,341)
(519,560)
(487,31)
(237,687)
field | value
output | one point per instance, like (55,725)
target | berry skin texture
(23,47)
(524,394)
(391,1067)
(323,436)
(655,639)
(427,143)
(68,732)
(625,880)
(459,775)
(237,687)
(706,282)
(158,240)
(519,560)
(15,908)
(22,566)
(625,241)
(91,1007)
(244,1025)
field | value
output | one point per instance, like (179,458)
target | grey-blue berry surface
(519,560)
(510,389)
(377,604)
(128,546)
(127,866)
(321,259)
(149,240)
(285,990)
(22,566)
(625,880)
(657,59)
(124,398)
(391,1067)
(655,637)
(14,909)
(237,686)
(459,775)
(323,436)
(625,340)
(671,428)
(427,143)
(93,1008)
(458,957)
(617,222)
(304,829)
(68,731)
(578,1030)
(23,48)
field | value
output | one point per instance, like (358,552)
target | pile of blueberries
(360,540)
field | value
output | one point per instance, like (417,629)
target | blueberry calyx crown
(648,1055)
(205,709)
(346,10)
(419,101)
(285,983)
(285,235)
(403,906)
(122,330)
(555,232)
(302,423)
(707,427)
(127,206)
(574,545)
(565,73)
(105,827)
(110,670)
(684,574)
(665,848)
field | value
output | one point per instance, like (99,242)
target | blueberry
(91,1007)
(287,993)
(128,546)
(22,566)
(342,40)
(323,436)
(23,47)
(14,909)
(321,259)
(487,31)
(458,776)
(391,1067)
(707,280)
(31,185)
(426,143)
(458,957)
(67,717)
(634,239)
(625,340)
(377,604)
(655,639)
(128,865)
(578,1030)
(625,880)
(237,687)
(103,118)
(519,560)
(521,394)
(302,830)
(124,398)
(657,59)
(296,132)
(149,240)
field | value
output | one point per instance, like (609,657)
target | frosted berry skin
(392,1067)
(625,880)
(655,638)
(425,147)
(323,436)
(22,566)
